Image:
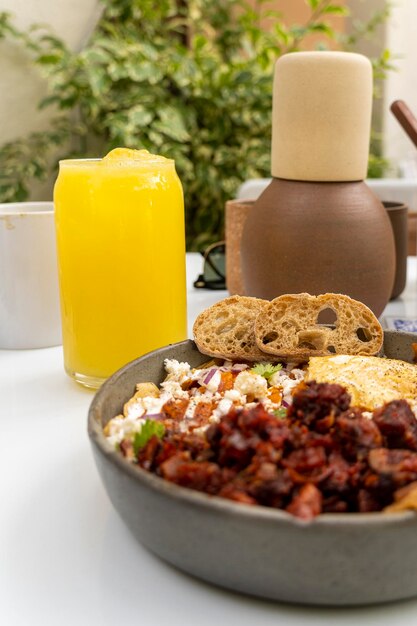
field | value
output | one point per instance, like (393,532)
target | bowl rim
(201,499)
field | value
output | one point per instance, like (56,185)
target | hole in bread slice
(269,337)
(363,334)
(327,316)
(313,339)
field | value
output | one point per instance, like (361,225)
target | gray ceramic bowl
(337,559)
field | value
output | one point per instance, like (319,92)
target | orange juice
(121,260)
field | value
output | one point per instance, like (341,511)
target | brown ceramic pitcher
(317,238)
(317,227)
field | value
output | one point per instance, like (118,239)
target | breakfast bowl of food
(274,455)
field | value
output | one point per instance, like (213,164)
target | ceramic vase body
(319,237)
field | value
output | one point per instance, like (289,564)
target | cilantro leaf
(281,412)
(149,428)
(266,369)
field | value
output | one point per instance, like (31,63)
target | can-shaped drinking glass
(121,260)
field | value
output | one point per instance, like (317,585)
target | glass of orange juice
(121,260)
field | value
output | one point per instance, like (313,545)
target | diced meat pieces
(398,424)
(325,456)
(307,503)
(316,401)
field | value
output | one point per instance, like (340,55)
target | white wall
(21,85)
(401,39)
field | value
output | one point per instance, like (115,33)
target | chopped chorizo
(315,401)
(324,456)
(398,424)
(394,462)
(357,434)
(307,503)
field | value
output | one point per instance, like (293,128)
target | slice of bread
(226,329)
(290,327)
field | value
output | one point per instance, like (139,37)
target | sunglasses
(214,275)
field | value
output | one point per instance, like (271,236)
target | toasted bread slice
(226,329)
(289,327)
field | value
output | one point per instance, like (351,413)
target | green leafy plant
(191,80)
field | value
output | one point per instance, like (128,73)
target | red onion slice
(210,375)
(154,416)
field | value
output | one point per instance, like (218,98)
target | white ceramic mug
(29,296)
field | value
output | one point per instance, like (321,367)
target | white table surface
(66,558)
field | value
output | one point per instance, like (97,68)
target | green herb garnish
(266,369)
(281,412)
(149,428)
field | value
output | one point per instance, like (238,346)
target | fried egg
(371,381)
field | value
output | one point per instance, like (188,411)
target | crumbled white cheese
(177,369)
(234,395)
(136,409)
(249,383)
(221,409)
(269,405)
(173,389)
(153,405)
(119,428)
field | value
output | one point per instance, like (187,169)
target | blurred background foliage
(189,79)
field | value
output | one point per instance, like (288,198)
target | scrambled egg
(370,380)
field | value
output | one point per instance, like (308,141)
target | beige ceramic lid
(321,116)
